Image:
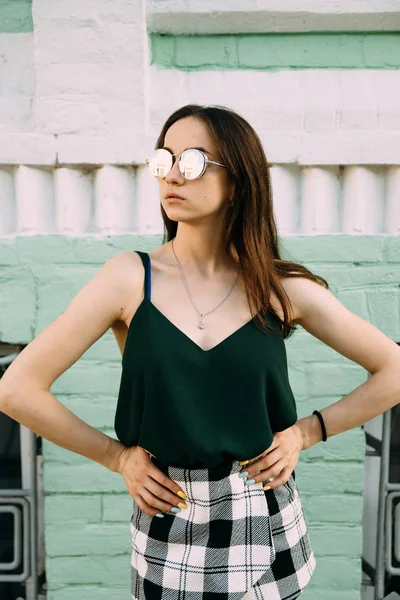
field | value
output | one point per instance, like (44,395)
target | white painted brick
(17,81)
(171,89)
(116,148)
(148,218)
(71,113)
(347,148)
(358,100)
(82,45)
(282,95)
(109,199)
(263,113)
(99,10)
(114,199)
(168,90)
(387,85)
(95,90)
(281,147)
(107,81)
(393,200)
(206,89)
(17,75)
(268,100)
(27,148)
(285,193)
(69,41)
(215,87)
(35,200)
(320,195)
(122,115)
(15,114)
(319,99)
(363,200)
(74,201)
(296,113)
(7,202)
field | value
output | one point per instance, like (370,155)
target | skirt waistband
(202,473)
(198,473)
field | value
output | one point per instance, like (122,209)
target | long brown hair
(250,232)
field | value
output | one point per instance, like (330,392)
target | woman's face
(206,197)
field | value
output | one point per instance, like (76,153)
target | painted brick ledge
(224,16)
(351,147)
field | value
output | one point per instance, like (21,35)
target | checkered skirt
(233,541)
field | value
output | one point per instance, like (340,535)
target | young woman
(208,435)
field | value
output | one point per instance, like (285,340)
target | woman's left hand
(279,460)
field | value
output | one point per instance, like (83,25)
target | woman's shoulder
(126,271)
(301,291)
(126,266)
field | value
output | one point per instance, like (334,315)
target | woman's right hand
(152,490)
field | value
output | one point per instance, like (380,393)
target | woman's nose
(174,174)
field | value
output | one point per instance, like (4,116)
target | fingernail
(249,482)
(244,462)
(267,487)
(181,494)
(159,515)
(243,474)
(182,505)
(175,509)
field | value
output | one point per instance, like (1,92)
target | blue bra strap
(145,258)
(148,287)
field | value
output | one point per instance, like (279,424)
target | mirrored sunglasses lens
(191,164)
(160,163)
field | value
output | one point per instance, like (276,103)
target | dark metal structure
(21,507)
(381,551)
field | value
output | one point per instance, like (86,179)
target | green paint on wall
(16,16)
(277,51)
(39,276)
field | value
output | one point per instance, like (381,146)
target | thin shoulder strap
(147,281)
(147,272)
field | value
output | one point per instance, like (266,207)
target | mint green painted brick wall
(87,508)
(16,16)
(277,51)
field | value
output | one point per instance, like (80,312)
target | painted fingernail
(182,505)
(249,482)
(181,494)
(175,509)
(243,474)
(244,462)
(159,515)
(267,487)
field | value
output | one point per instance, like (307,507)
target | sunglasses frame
(206,162)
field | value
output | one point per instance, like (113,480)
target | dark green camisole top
(198,408)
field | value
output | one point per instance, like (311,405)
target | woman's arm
(322,315)
(24,387)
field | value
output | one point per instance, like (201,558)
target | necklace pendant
(201,326)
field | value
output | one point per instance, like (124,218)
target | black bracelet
(321,420)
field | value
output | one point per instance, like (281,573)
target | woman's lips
(173,199)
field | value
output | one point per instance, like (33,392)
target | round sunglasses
(192,163)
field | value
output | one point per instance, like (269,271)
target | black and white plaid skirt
(232,541)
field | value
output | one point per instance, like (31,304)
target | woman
(204,390)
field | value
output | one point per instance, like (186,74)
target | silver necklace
(201,315)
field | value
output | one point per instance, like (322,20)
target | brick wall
(87,508)
(84,90)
